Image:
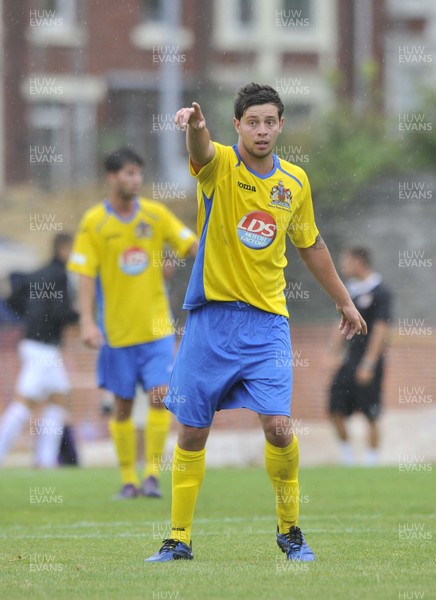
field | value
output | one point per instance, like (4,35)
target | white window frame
(319,37)
(69,33)
(410,8)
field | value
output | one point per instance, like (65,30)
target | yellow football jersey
(243,220)
(126,257)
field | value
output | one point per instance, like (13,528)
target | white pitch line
(146,535)
(223,520)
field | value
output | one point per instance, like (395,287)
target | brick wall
(409,364)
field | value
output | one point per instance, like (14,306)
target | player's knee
(192,438)
(30,404)
(277,430)
(122,409)
(60,400)
(280,440)
(336,417)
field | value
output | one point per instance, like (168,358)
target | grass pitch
(371,529)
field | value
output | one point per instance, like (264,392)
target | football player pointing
(236,351)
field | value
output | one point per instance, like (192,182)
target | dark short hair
(254,93)
(60,240)
(120,158)
(361,253)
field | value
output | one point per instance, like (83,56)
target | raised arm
(200,148)
(319,262)
(89,330)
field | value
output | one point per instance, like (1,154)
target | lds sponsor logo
(133,261)
(257,229)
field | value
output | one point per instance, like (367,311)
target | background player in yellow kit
(115,254)
(236,351)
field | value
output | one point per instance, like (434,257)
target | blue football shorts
(119,370)
(232,355)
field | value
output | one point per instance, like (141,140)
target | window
(152,10)
(153,25)
(297,9)
(245,12)
(63,10)
(49,5)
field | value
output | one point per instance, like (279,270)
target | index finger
(182,117)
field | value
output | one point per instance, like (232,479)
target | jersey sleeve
(382,305)
(208,175)
(177,235)
(302,230)
(84,257)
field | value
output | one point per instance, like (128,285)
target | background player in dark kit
(357,383)
(43,301)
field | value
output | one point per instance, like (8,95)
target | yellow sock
(282,468)
(124,437)
(156,431)
(187,474)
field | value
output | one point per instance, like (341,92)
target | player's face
(64,252)
(258,129)
(348,265)
(127,181)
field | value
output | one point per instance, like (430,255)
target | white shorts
(42,371)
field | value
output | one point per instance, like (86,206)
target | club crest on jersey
(133,261)
(143,230)
(280,196)
(257,229)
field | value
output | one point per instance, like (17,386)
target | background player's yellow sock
(124,437)
(187,474)
(156,431)
(282,468)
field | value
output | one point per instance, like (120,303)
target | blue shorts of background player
(232,355)
(119,370)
